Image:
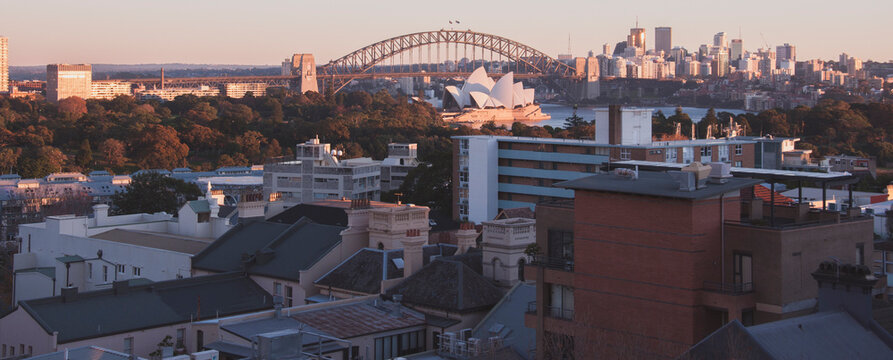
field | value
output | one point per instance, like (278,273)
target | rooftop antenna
(569,44)
(637,21)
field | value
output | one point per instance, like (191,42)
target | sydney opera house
(481,99)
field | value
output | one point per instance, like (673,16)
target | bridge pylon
(304,66)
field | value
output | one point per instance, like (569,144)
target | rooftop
(653,184)
(163,241)
(85,353)
(275,250)
(106,312)
(448,284)
(363,271)
(745,172)
(360,318)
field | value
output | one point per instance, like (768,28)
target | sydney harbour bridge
(441,53)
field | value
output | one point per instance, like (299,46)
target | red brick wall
(640,262)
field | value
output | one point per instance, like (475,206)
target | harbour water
(560,112)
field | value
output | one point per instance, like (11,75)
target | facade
(112,319)
(168,94)
(317,173)
(238,90)
(736,51)
(67,80)
(649,293)
(91,254)
(502,172)
(636,39)
(401,159)
(786,52)
(503,249)
(663,39)
(107,90)
(853,164)
(4,64)
(303,66)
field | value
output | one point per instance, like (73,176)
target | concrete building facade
(67,80)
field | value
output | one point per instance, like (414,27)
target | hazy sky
(265,32)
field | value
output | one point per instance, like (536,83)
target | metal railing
(553,262)
(728,288)
(551,311)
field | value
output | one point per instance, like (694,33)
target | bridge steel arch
(365,59)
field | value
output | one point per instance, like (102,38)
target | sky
(264,32)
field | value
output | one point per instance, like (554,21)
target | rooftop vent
(685,180)
(700,171)
(720,172)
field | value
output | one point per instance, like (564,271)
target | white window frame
(739,149)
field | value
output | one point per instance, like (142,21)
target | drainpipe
(722,239)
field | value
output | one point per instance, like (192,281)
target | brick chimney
(412,251)
(845,287)
(466,237)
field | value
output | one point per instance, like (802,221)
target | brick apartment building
(634,268)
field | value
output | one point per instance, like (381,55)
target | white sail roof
(480,91)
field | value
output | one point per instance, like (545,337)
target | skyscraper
(65,80)
(636,38)
(786,52)
(663,39)
(4,64)
(719,40)
(606,49)
(737,50)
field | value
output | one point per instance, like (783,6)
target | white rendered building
(92,253)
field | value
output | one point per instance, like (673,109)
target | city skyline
(204,32)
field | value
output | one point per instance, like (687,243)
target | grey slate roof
(653,184)
(504,320)
(153,240)
(321,214)
(823,335)
(273,250)
(69,259)
(200,206)
(102,313)
(363,271)
(84,353)
(448,285)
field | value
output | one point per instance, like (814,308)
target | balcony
(551,311)
(553,263)
(731,297)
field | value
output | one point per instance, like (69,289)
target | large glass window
(389,347)
(561,244)
(561,304)
(743,270)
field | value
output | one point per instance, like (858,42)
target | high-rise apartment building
(636,38)
(67,80)
(606,49)
(719,40)
(663,39)
(786,52)
(737,50)
(4,64)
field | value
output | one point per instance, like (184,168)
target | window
(4,350)
(30,350)
(277,288)
(289,294)
(128,345)
(747,317)
(521,263)
(390,347)
(22,349)
(105,273)
(737,164)
(739,149)
(742,271)
(89,270)
(561,244)
(561,302)
(137,271)
(671,155)
(12,350)
(121,268)
(860,253)
(706,151)
(626,154)
(181,335)
(199,340)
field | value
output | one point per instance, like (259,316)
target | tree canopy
(151,192)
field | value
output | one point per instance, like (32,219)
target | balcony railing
(553,262)
(552,311)
(728,288)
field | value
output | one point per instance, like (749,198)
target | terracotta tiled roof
(765,194)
